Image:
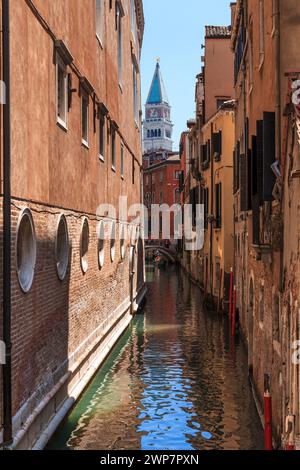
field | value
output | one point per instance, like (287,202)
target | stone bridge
(165,252)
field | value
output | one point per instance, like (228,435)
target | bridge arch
(170,255)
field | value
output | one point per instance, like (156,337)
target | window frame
(122,149)
(62,266)
(85,231)
(135,93)
(61,65)
(99,19)
(85,97)
(21,235)
(119,15)
(113,149)
(261,33)
(101,137)
(218,206)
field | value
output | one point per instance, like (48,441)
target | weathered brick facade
(62,330)
(264,40)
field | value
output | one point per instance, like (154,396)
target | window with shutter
(217,145)
(256,219)
(206,207)
(237,167)
(254,167)
(268,179)
(259,159)
(243,184)
(218,198)
(234,171)
(249,180)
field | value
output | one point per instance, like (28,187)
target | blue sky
(174,31)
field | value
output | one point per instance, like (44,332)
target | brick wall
(54,322)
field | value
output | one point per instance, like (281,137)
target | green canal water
(173,382)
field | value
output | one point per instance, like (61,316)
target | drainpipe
(7,389)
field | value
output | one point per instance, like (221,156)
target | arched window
(62,248)
(84,245)
(26,250)
(159,132)
(155,132)
(148,134)
(152,133)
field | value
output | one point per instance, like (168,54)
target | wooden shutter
(256,219)
(243,183)
(217,143)
(254,166)
(269,156)
(218,196)
(234,171)
(249,180)
(259,158)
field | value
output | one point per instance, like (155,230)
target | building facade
(77,265)
(161,187)
(207,147)
(264,40)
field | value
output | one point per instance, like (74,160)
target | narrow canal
(173,382)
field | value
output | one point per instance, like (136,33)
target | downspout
(7,388)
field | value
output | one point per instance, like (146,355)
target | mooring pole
(268,414)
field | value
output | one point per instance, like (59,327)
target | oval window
(122,242)
(62,248)
(84,245)
(133,234)
(113,241)
(101,244)
(26,250)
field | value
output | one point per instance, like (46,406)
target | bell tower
(157,126)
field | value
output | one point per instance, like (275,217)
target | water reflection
(171,383)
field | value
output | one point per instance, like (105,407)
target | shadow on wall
(40,318)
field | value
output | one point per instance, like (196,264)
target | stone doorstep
(39,427)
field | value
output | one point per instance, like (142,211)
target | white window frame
(133,19)
(135,93)
(122,160)
(119,15)
(102,140)
(100,11)
(113,149)
(63,67)
(261,33)
(85,97)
